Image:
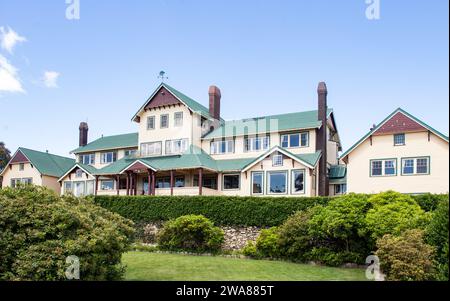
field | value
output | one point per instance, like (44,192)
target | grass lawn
(154,266)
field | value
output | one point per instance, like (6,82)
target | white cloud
(9,38)
(9,80)
(50,78)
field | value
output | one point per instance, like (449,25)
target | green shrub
(339,227)
(428,201)
(192,233)
(393,213)
(437,235)
(405,257)
(39,230)
(250,250)
(222,210)
(295,242)
(267,243)
(332,257)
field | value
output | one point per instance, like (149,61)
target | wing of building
(33,167)
(401,153)
(183,148)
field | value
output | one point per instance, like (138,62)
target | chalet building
(401,153)
(183,148)
(32,167)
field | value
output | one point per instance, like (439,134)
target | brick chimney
(83,133)
(321,138)
(214,102)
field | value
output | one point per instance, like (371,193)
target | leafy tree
(393,213)
(405,257)
(437,235)
(5,155)
(339,226)
(39,230)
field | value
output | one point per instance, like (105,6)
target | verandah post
(171,182)
(200,181)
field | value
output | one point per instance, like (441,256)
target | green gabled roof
(311,159)
(194,157)
(109,142)
(233,164)
(88,168)
(189,102)
(374,129)
(116,167)
(337,171)
(47,164)
(260,125)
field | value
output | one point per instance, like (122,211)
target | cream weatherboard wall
(97,156)
(416,145)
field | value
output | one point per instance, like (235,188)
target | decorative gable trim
(21,158)
(72,168)
(137,165)
(399,123)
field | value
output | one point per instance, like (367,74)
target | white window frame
(262,182)
(130,152)
(293,176)
(415,165)
(286,189)
(90,161)
(161,121)
(79,173)
(178,119)
(67,183)
(383,167)
(277,160)
(250,143)
(105,181)
(156,147)
(300,134)
(228,175)
(176,146)
(396,143)
(216,147)
(104,157)
(151,122)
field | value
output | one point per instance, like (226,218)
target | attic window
(79,173)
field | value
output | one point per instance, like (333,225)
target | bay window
(257,182)
(277,182)
(298,181)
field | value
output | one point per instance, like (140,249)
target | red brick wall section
(399,123)
(19,158)
(162,98)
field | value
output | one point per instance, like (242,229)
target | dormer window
(399,139)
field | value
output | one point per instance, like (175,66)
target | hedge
(222,210)
(226,210)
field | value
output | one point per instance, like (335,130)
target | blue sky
(266,56)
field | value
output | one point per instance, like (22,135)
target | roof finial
(162,76)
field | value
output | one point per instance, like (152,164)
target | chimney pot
(83,138)
(214,102)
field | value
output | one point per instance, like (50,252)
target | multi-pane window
(67,186)
(222,147)
(295,140)
(208,181)
(87,159)
(151,148)
(399,139)
(257,182)
(130,152)
(231,181)
(16,182)
(176,146)
(277,160)
(164,182)
(164,121)
(416,166)
(107,185)
(178,118)
(298,181)
(21,166)
(340,189)
(150,122)
(108,157)
(385,167)
(277,182)
(256,144)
